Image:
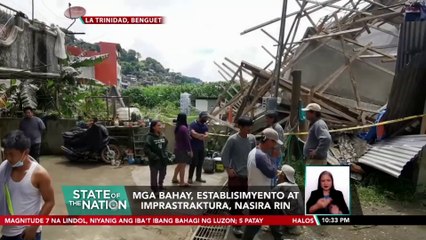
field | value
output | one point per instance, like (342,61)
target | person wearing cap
(234,157)
(319,138)
(272,122)
(286,184)
(260,171)
(33,128)
(199,134)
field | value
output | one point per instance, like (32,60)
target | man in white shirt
(26,187)
(261,170)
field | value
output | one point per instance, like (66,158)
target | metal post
(295,97)
(280,48)
(32,11)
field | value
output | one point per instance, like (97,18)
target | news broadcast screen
(212,119)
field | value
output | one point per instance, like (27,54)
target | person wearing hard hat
(319,138)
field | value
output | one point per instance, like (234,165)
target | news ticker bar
(211,220)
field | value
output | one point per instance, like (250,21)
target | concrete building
(205,104)
(109,71)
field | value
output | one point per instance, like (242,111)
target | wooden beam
(295,97)
(332,34)
(241,78)
(269,35)
(223,122)
(383,30)
(238,71)
(338,7)
(326,83)
(245,99)
(307,15)
(223,70)
(219,99)
(373,65)
(351,74)
(279,18)
(380,5)
(334,110)
(370,48)
(221,74)
(374,56)
(236,65)
(269,53)
(381,16)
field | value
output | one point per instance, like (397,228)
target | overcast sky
(196,33)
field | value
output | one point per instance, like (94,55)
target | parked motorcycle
(93,144)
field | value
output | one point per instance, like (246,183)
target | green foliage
(155,96)
(150,70)
(19,95)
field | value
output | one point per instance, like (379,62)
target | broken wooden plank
(338,7)
(236,65)
(351,74)
(332,34)
(268,52)
(279,18)
(326,83)
(373,65)
(383,30)
(269,35)
(381,16)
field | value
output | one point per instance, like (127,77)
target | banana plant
(19,95)
(62,97)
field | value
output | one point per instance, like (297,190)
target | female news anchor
(326,199)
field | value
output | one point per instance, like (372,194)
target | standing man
(319,139)
(234,158)
(26,187)
(33,128)
(272,122)
(199,133)
(261,170)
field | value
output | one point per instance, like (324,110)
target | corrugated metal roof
(411,41)
(392,155)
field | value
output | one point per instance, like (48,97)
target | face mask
(20,163)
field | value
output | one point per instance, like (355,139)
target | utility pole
(280,49)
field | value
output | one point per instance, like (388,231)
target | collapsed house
(361,63)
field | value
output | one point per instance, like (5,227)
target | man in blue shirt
(199,134)
(33,128)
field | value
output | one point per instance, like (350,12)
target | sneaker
(238,232)
(201,180)
(190,181)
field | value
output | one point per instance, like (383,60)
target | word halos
(163,195)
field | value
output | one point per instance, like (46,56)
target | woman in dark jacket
(326,199)
(183,151)
(156,151)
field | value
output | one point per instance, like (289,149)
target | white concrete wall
(201,104)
